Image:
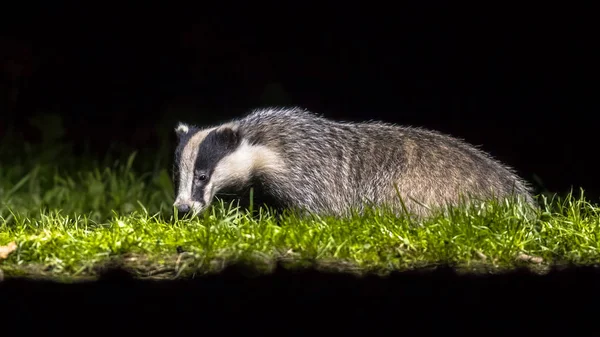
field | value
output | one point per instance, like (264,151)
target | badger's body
(295,159)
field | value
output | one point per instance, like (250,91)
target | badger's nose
(183,209)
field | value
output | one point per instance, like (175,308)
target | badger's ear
(230,136)
(182,129)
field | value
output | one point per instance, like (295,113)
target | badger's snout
(188,207)
(183,209)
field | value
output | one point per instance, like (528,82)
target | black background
(515,78)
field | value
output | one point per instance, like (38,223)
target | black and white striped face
(207,161)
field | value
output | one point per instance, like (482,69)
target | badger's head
(207,161)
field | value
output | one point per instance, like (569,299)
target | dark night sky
(515,79)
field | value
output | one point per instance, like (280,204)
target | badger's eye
(201,177)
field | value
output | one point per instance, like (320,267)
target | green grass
(75,221)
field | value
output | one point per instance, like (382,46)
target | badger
(295,159)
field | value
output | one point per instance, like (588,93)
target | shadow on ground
(309,303)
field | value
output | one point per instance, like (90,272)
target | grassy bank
(76,221)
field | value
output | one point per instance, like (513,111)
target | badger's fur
(296,159)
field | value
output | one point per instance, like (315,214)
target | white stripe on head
(186,166)
(240,165)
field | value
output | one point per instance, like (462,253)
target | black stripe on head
(215,146)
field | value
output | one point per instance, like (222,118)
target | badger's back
(333,166)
